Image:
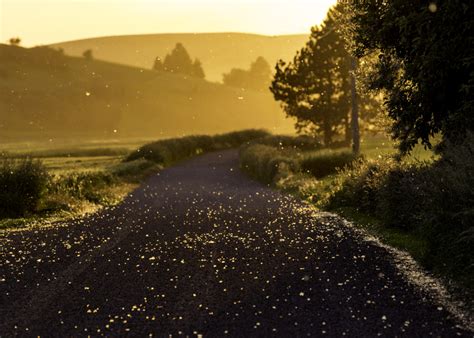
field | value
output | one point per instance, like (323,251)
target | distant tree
(236,78)
(88,54)
(198,71)
(258,77)
(260,73)
(158,65)
(179,62)
(15,41)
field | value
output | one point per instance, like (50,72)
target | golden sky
(46,21)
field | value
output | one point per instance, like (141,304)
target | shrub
(172,150)
(358,185)
(266,163)
(326,163)
(22,183)
(83,186)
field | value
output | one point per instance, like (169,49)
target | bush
(84,186)
(266,163)
(323,164)
(448,218)
(170,151)
(357,186)
(22,183)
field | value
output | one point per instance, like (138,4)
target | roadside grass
(403,203)
(82,179)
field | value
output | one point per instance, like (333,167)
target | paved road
(201,249)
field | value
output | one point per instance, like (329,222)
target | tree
(179,62)
(198,71)
(15,41)
(425,64)
(318,87)
(158,65)
(258,77)
(88,54)
(315,87)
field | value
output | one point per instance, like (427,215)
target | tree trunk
(355,111)
(347,130)
(327,133)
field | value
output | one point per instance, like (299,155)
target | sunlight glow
(48,21)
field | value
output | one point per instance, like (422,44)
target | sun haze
(47,21)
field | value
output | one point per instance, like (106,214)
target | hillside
(219,52)
(44,93)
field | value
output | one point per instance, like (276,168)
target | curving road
(200,249)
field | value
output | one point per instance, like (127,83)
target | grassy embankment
(64,183)
(421,204)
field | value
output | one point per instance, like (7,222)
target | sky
(39,22)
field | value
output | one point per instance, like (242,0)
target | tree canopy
(425,64)
(315,87)
(179,61)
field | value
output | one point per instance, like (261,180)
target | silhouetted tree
(317,88)
(425,64)
(15,41)
(198,71)
(179,62)
(158,65)
(258,77)
(88,54)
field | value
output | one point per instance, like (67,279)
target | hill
(219,52)
(44,93)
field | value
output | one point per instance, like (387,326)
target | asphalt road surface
(199,249)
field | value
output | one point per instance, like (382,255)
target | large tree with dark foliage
(316,86)
(425,65)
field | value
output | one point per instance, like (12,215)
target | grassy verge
(422,207)
(70,182)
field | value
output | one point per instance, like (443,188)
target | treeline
(178,61)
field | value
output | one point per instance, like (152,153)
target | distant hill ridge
(219,52)
(45,94)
